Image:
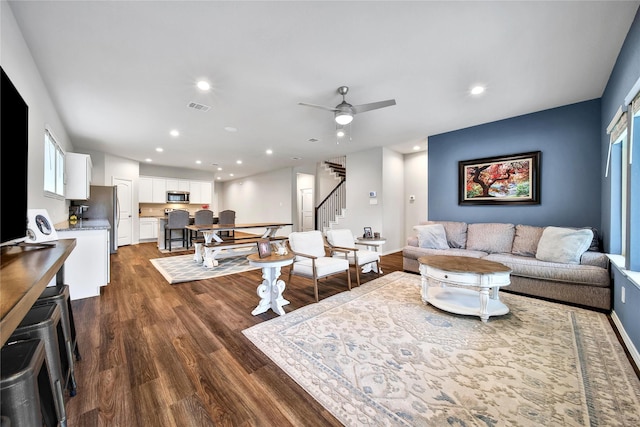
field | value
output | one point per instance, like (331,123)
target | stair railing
(331,206)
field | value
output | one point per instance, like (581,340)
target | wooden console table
(24,273)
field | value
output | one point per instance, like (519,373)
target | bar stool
(25,389)
(60,295)
(43,322)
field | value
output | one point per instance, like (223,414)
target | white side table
(372,243)
(270,290)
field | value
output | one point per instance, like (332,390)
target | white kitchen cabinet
(88,266)
(205,193)
(177,185)
(200,192)
(195,192)
(159,190)
(148,228)
(145,190)
(78,176)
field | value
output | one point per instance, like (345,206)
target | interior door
(307,209)
(124,222)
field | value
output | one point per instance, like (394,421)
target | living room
(573,139)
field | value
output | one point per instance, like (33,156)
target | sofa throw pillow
(494,238)
(456,233)
(525,242)
(431,236)
(563,245)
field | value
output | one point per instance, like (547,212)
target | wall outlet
(622,295)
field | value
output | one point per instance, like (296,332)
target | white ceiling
(121,73)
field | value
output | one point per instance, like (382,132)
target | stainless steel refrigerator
(103,204)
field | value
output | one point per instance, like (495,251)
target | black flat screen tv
(14,144)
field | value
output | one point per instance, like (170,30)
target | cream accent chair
(344,240)
(311,258)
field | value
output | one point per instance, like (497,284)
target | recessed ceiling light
(230,174)
(269,151)
(219,178)
(203,85)
(174,132)
(239,162)
(148,160)
(198,162)
(219,169)
(416,147)
(159,149)
(477,90)
(230,129)
(340,133)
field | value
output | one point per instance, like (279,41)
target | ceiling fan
(344,111)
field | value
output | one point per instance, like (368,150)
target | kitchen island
(89,266)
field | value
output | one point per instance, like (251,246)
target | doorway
(306,209)
(305,203)
(124,222)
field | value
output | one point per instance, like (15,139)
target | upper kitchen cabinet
(78,176)
(200,192)
(177,185)
(159,190)
(152,190)
(145,190)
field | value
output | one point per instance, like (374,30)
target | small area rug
(183,268)
(378,356)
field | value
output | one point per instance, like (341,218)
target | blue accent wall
(624,75)
(569,140)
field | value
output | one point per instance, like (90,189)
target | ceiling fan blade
(322,107)
(373,106)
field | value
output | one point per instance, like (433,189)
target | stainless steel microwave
(177,197)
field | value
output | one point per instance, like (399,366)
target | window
(624,176)
(53,166)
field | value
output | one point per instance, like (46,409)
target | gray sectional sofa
(548,262)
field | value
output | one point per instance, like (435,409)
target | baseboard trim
(633,351)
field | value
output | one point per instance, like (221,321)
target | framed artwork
(264,248)
(503,180)
(368,234)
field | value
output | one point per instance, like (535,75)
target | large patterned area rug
(379,356)
(184,268)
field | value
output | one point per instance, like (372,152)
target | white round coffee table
(270,290)
(439,271)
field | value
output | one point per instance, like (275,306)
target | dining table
(214,244)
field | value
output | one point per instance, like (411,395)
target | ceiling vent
(199,107)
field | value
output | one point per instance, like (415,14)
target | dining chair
(176,220)
(311,258)
(201,217)
(227,217)
(343,239)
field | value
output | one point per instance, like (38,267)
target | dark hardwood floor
(155,354)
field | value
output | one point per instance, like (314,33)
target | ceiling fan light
(343,118)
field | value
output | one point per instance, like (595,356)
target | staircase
(335,203)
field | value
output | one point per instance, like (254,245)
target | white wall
(393,201)
(415,183)
(17,62)
(261,198)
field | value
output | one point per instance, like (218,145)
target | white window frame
(53,166)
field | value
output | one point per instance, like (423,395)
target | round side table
(372,242)
(271,289)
